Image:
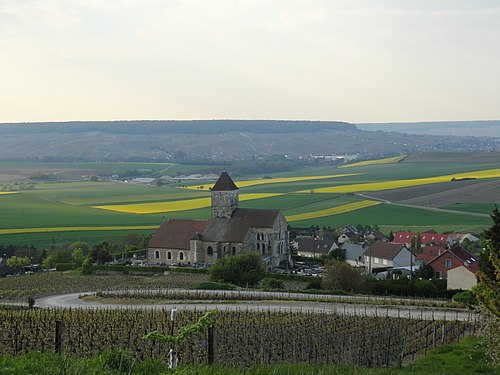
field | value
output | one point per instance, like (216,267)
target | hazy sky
(350,60)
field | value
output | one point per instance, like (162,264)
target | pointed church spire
(224,183)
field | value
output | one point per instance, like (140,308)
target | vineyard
(241,338)
(41,284)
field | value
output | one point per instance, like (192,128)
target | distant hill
(212,140)
(456,128)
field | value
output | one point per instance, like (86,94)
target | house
(354,253)
(375,235)
(461,237)
(426,238)
(314,248)
(461,277)
(451,258)
(384,255)
(428,253)
(229,231)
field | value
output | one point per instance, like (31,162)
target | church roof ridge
(224,183)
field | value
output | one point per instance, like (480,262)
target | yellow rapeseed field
(173,206)
(7,192)
(386,185)
(333,211)
(242,184)
(394,159)
(70,229)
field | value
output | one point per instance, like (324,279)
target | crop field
(395,159)
(241,338)
(279,180)
(94,211)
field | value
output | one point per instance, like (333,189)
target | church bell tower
(225,197)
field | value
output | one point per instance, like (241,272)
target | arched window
(263,250)
(258,246)
(234,250)
(157,254)
(210,251)
(169,255)
(181,255)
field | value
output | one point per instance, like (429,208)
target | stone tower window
(210,251)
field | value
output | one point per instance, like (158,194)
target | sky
(341,60)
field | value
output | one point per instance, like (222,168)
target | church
(231,230)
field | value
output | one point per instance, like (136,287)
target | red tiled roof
(429,253)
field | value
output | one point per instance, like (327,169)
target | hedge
(65,266)
(148,270)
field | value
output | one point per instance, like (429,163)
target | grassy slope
(466,357)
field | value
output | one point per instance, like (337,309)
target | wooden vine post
(204,324)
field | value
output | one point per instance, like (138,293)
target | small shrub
(465,298)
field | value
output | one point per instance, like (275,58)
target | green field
(67,207)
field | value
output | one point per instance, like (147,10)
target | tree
(244,269)
(57,256)
(18,262)
(487,290)
(416,244)
(424,272)
(493,235)
(339,275)
(100,253)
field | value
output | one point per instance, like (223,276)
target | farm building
(231,230)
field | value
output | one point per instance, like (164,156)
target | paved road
(73,300)
(476,214)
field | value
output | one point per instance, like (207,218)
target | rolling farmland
(395,195)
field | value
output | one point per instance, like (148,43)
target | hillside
(211,139)
(458,128)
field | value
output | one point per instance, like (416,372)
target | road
(73,300)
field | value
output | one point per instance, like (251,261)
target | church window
(258,246)
(269,248)
(263,250)
(234,250)
(181,255)
(169,255)
(157,254)
(210,251)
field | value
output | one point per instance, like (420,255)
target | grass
(333,211)
(465,357)
(480,208)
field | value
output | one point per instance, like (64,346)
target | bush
(339,275)
(244,269)
(466,298)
